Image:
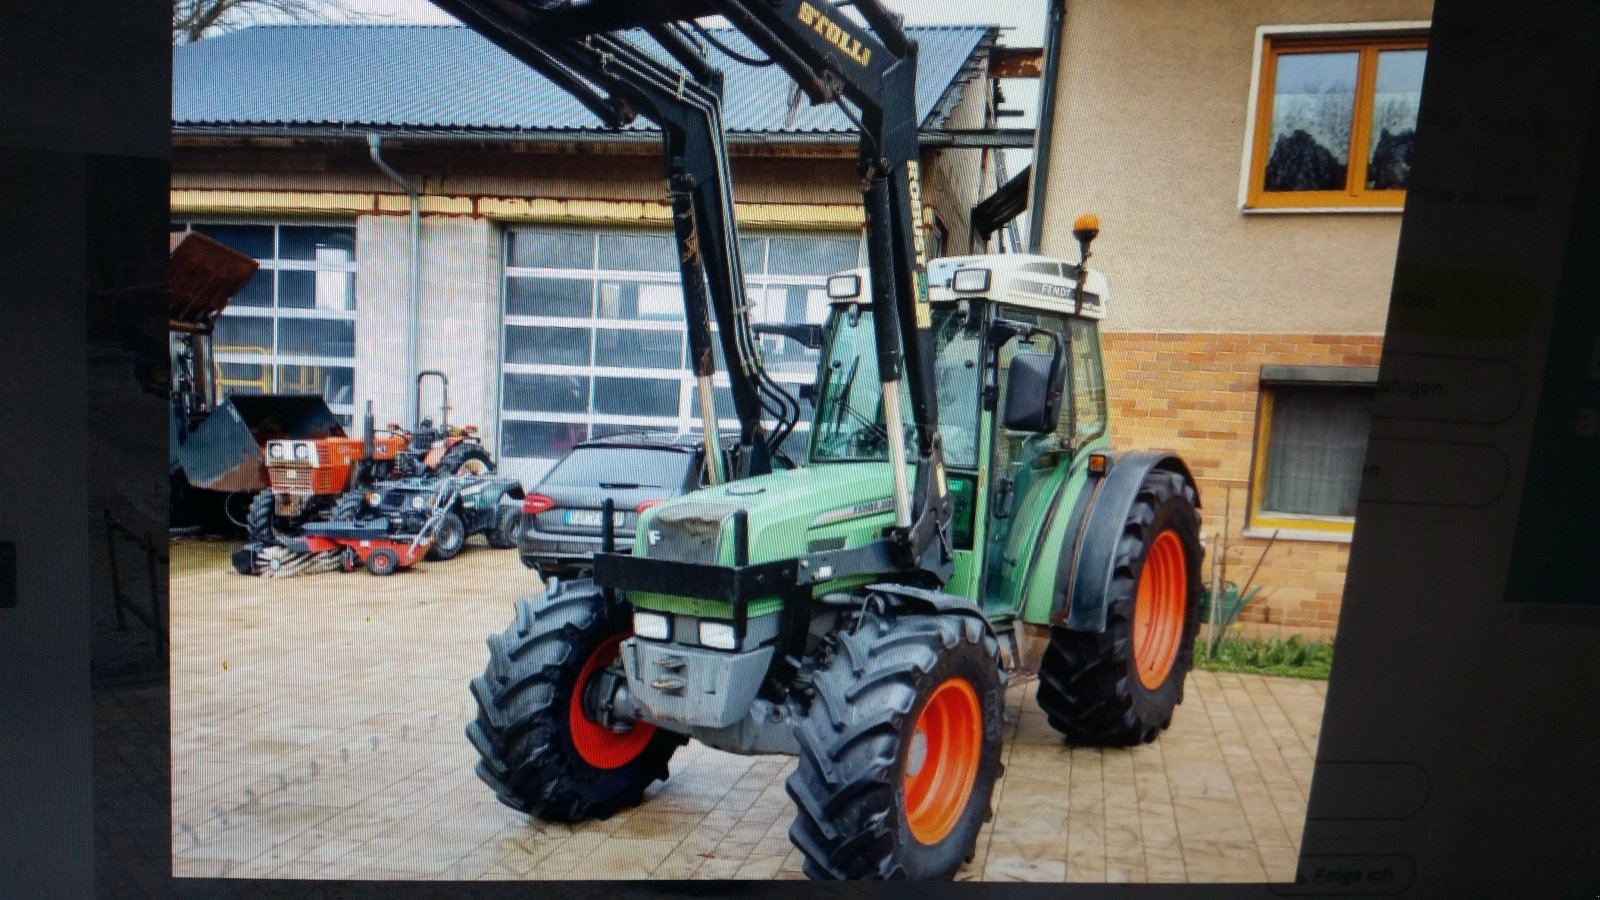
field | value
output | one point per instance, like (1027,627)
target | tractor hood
(820,507)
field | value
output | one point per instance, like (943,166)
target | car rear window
(622,466)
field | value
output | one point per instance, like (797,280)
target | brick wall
(1198,394)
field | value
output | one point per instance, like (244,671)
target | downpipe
(1054,21)
(413,264)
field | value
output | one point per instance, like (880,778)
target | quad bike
(477,504)
(864,613)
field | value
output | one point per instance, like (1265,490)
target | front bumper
(684,687)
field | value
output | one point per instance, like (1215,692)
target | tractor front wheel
(900,749)
(542,751)
(448,538)
(1119,687)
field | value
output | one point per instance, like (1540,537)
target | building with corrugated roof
(547,282)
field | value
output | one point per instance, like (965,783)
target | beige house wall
(1151,124)
(1150,130)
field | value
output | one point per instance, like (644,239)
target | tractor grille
(299,478)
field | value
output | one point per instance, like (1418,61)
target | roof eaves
(971,70)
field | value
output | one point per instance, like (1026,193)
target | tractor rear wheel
(465,459)
(503,535)
(448,538)
(1119,687)
(900,750)
(541,751)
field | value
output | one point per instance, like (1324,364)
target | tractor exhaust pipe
(367,425)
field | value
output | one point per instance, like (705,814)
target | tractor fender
(1080,589)
(932,602)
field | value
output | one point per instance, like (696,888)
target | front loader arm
(834,59)
(617,81)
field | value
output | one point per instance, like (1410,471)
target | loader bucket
(225,453)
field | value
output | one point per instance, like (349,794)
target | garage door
(593,340)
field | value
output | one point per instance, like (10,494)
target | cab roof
(1045,283)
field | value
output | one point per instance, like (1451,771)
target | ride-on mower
(864,613)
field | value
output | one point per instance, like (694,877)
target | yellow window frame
(1266,519)
(1355,192)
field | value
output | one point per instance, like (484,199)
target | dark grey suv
(561,514)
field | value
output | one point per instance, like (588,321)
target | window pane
(248,334)
(317,242)
(752,252)
(549,297)
(317,337)
(1394,118)
(550,249)
(636,397)
(1088,382)
(244,378)
(592,466)
(1317,438)
(540,440)
(317,290)
(638,349)
(255,240)
(811,255)
(632,301)
(638,252)
(547,393)
(256,292)
(547,346)
(1313,106)
(334,383)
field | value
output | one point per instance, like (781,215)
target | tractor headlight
(302,452)
(275,450)
(971,280)
(651,625)
(717,635)
(419,502)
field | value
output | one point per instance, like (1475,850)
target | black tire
(465,459)
(503,535)
(523,731)
(851,814)
(1089,684)
(346,508)
(259,521)
(383,561)
(448,538)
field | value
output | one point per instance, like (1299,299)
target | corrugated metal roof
(451,78)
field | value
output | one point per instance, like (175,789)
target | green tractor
(866,612)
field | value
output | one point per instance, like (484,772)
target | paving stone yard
(317,733)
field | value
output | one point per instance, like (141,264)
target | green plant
(1293,658)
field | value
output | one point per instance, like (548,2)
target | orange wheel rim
(1159,609)
(942,760)
(598,745)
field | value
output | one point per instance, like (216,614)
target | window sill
(1319,210)
(1297,534)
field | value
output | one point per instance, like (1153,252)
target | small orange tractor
(311,479)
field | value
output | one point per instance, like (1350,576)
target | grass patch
(1292,658)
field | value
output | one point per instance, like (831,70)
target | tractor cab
(1002,422)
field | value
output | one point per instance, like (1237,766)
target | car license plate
(590,518)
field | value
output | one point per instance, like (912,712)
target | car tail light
(646,504)
(533,504)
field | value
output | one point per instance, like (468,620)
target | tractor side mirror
(1033,392)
